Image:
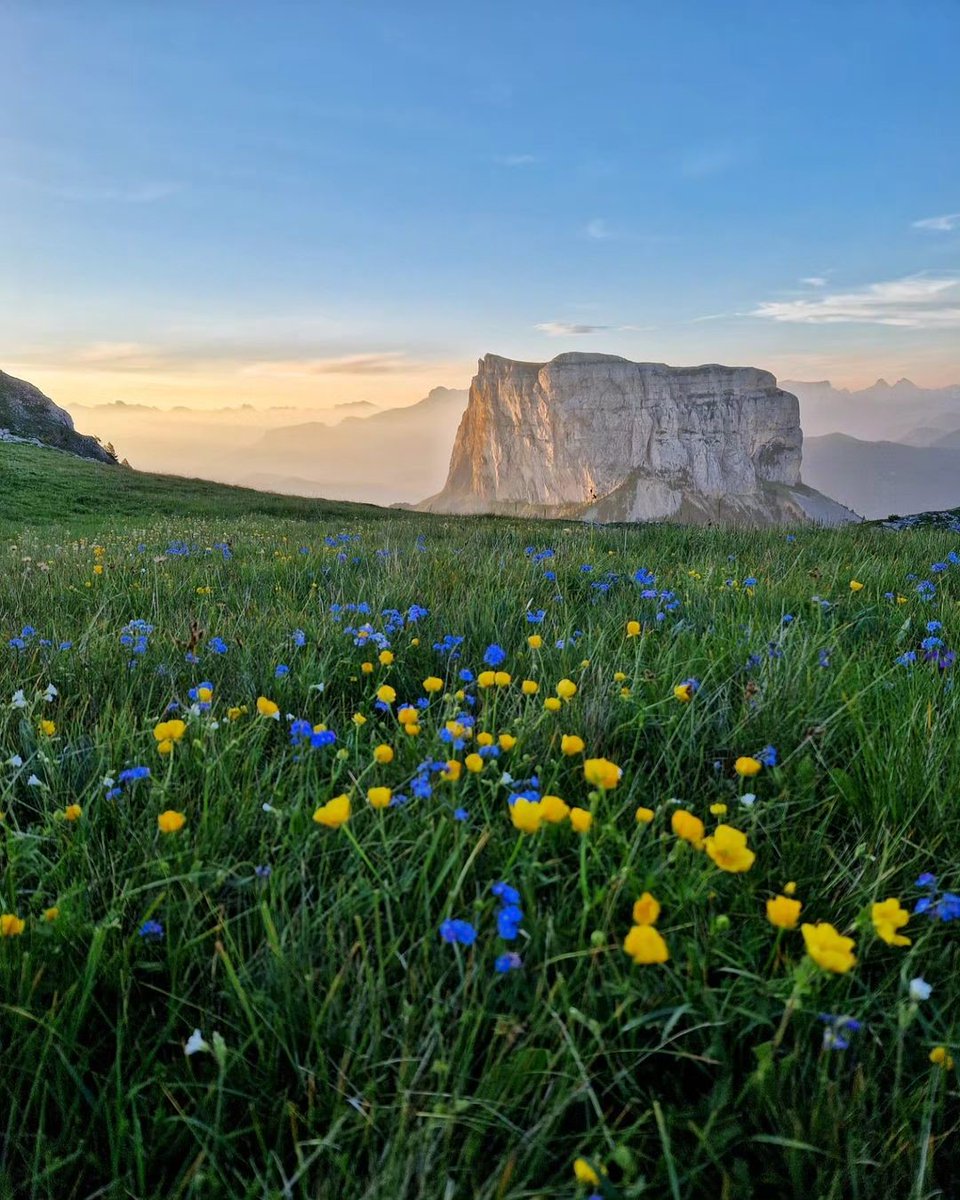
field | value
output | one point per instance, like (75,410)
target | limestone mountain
(599,437)
(27,415)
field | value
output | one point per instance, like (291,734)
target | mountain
(602,438)
(27,415)
(896,412)
(878,479)
(397,454)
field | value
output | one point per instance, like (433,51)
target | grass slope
(347,1048)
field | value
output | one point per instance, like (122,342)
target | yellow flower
(554,810)
(486,679)
(789,889)
(571,744)
(684,692)
(411,729)
(553,704)
(687,827)
(728,849)
(379,797)
(236,712)
(484,738)
(645,945)
(358,719)
(529,687)
(51,914)
(506,741)
(366,668)
(828,949)
(452,773)
(385,657)
(718,810)
(584,1173)
(408,715)
(205,591)
(383,753)
(855,585)
(11,925)
(432,684)
(171,821)
(581,820)
(98,569)
(646,910)
(940,1056)
(168,732)
(601,773)
(502,678)
(619,676)
(73,812)
(386,694)
(526,815)
(334,813)
(566,689)
(534,641)
(473,763)
(267,708)
(633,629)
(887,917)
(783,913)
(746,767)
(644,815)
(48,728)
(204,694)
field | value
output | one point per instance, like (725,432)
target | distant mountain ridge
(883,411)
(26,414)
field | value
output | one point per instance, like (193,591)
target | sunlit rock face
(597,436)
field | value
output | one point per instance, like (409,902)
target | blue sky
(343,201)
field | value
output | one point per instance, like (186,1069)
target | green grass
(362,1056)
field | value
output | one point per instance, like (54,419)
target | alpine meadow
(355,852)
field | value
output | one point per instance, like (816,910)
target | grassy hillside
(49,487)
(310,886)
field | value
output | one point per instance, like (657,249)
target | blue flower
(510,961)
(151,931)
(461,814)
(281,671)
(768,756)
(458,932)
(494,655)
(506,893)
(837,1028)
(535,618)
(217,645)
(132,774)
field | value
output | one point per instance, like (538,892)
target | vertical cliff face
(26,414)
(599,436)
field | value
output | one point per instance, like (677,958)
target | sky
(311,203)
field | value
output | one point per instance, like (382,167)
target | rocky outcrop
(602,438)
(26,414)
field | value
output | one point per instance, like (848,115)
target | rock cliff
(602,438)
(27,415)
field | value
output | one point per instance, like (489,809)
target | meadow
(355,853)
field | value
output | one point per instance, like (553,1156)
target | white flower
(19,699)
(920,989)
(748,799)
(195,1043)
(14,761)
(267,807)
(51,693)
(33,781)
(108,781)
(317,687)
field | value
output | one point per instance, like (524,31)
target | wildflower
(581,820)
(855,585)
(458,932)
(829,949)
(195,1044)
(167,733)
(534,641)
(633,629)
(334,813)
(645,945)
(783,912)
(644,816)
(236,711)
(379,797)
(171,821)
(718,810)
(505,963)
(11,925)
(554,810)
(646,910)
(502,678)
(452,772)
(486,679)
(385,659)
(837,1028)
(151,931)
(887,917)
(790,889)
(51,914)
(529,687)
(48,728)
(601,773)
(919,990)
(526,815)
(267,708)
(768,756)
(474,763)
(72,812)
(728,849)
(566,689)
(383,753)
(584,1173)
(747,767)
(571,744)
(432,684)
(494,655)
(386,694)
(940,1056)
(51,693)
(685,692)
(748,799)
(553,704)
(407,715)
(687,827)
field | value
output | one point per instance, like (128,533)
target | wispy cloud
(128,355)
(915,302)
(516,160)
(568,328)
(941,224)
(814,281)
(598,230)
(385,363)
